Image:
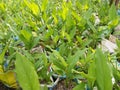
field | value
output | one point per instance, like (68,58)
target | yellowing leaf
(113,23)
(34,7)
(1,69)
(65,11)
(85,7)
(44,5)
(55,19)
(8,79)
(76,16)
(2,6)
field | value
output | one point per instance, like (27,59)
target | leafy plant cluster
(44,38)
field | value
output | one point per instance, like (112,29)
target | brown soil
(62,85)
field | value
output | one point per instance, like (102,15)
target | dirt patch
(63,86)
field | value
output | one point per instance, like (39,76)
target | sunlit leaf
(113,23)
(33,6)
(27,35)
(65,10)
(103,72)
(35,9)
(2,6)
(26,74)
(44,5)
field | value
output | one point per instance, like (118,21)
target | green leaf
(72,60)
(44,4)
(91,73)
(65,10)
(26,74)
(57,66)
(56,38)
(34,41)
(28,39)
(59,57)
(103,72)
(27,35)
(81,86)
(72,33)
(33,7)
(88,14)
(91,26)
(76,16)
(118,43)
(3,54)
(90,78)
(112,12)
(2,6)
(113,23)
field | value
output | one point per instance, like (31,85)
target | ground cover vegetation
(44,42)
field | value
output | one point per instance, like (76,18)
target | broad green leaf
(26,74)
(103,72)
